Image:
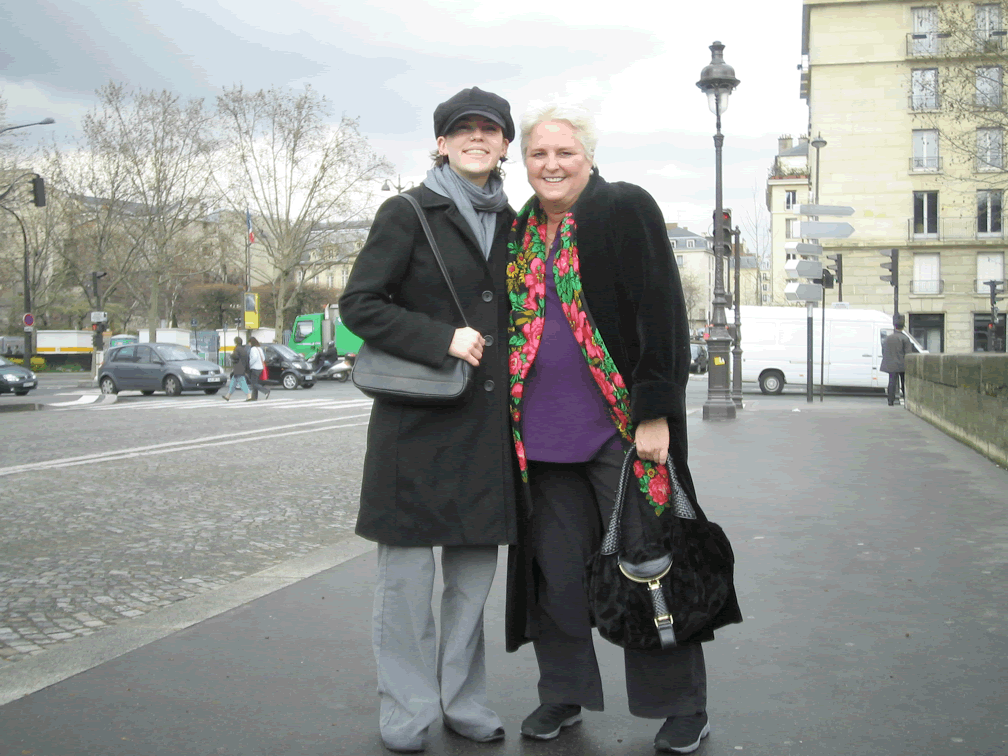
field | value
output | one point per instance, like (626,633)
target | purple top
(566,418)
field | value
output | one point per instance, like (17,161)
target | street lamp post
(399,187)
(43,122)
(737,349)
(818,143)
(717,80)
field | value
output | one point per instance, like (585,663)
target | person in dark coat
(439,476)
(599,360)
(239,370)
(894,350)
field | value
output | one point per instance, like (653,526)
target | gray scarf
(478,206)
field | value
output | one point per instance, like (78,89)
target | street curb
(18,679)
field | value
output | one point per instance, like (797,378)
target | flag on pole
(248,223)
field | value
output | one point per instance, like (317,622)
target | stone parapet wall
(965,395)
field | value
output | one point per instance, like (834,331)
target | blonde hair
(576,114)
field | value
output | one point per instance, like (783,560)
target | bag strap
(437,253)
(681,505)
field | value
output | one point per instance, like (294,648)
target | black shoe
(546,722)
(682,734)
(493,737)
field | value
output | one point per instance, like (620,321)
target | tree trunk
(152,312)
(281,295)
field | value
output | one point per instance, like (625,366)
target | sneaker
(226,397)
(546,722)
(682,734)
(492,737)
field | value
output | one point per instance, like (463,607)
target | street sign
(803,269)
(826,229)
(841,210)
(803,248)
(99,317)
(28,320)
(803,292)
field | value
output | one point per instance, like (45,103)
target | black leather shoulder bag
(381,375)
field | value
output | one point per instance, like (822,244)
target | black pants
(570,502)
(256,383)
(891,391)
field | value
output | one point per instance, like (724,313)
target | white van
(774,346)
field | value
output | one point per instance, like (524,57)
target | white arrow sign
(802,292)
(803,248)
(825,210)
(826,229)
(803,269)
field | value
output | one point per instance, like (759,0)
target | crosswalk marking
(145,404)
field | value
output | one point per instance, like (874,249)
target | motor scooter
(329,365)
(340,370)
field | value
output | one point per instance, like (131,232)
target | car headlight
(189,370)
(32,376)
(9,376)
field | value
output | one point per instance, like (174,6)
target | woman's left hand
(652,440)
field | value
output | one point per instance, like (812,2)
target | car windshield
(174,353)
(286,352)
(5,362)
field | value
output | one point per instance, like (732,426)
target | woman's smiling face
(473,147)
(558,168)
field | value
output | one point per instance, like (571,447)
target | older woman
(439,476)
(599,358)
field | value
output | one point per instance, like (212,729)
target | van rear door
(851,350)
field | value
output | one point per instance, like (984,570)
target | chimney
(783,144)
(670,226)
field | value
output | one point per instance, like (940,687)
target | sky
(390,62)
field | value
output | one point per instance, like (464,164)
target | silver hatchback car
(158,367)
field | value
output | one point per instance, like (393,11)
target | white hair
(576,114)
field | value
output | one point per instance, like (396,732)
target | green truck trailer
(312,333)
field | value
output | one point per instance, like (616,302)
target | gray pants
(421,678)
(570,503)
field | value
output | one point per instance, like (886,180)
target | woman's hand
(652,440)
(467,344)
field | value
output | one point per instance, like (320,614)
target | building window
(329,280)
(926,274)
(792,228)
(925,150)
(690,243)
(988,86)
(680,260)
(673,243)
(929,330)
(988,21)
(990,267)
(790,198)
(925,221)
(925,31)
(989,211)
(989,149)
(924,89)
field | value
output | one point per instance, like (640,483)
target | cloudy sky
(389,62)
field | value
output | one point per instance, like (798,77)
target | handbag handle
(681,505)
(437,253)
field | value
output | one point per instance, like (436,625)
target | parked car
(14,378)
(158,367)
(698,358)
(286,367)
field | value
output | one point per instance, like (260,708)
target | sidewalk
(871,566)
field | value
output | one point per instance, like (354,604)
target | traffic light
(827,278)
(836,267)
(892,265)
(38,191)
(995,289)
(726,228)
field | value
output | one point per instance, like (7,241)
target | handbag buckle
(663,619)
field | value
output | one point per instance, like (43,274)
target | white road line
(233,437)
(202,404)
(86,399)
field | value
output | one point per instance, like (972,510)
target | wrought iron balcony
(926,164)
(923,101)
(983,288)
(955,229)
(940,44)
(927,286)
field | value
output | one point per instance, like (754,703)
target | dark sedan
(158,367)
(286,367)
(16,379)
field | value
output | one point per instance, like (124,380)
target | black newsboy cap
(474,101)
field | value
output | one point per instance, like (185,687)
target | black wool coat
(434,475)
(631,285)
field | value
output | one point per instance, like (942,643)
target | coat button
(488,339)
(487,296)
(488,386)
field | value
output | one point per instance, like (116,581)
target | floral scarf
(526,285)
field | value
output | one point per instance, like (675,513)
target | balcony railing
(938,44)
(926,164)
(983,288)
(927,286)
(955,229)
(923,101)
(992,162)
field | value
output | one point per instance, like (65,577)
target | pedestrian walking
(256,365)
(439,476)
(599,359)
(239,370)
(894,349)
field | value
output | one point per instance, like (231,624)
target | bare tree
(693,292)
(302,178)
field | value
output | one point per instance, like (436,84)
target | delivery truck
(774,347)
(312,333)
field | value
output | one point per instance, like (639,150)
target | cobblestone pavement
(89,545)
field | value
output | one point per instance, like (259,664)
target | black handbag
(381,375)
(669,590)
